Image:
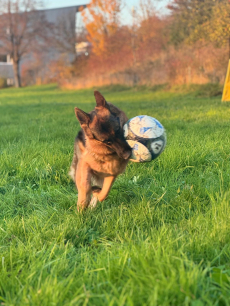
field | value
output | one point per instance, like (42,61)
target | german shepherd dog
(100,152)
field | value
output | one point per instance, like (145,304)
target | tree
(22,30)
(102,19)
(151,36)
(187,17)
(217,28)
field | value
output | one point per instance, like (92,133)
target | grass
(161,238)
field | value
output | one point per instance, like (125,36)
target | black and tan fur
(100,151)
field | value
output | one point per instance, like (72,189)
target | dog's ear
(82,117)
(84,120)
(100,100)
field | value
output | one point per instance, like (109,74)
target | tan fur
(100,152)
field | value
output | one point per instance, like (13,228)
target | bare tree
(64,33)
(147,9)
(22,30)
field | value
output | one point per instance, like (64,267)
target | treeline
(189,44)
(186,44)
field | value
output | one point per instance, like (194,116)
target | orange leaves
(101,20)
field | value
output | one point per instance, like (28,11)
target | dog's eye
(107,141)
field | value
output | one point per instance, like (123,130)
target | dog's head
(103,125)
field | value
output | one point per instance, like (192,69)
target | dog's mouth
(122,149)
(120,146)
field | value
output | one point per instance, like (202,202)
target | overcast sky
(126,13)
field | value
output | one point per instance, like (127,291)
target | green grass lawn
(161,238)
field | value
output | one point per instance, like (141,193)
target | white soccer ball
(146,136)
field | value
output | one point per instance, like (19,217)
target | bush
(3,83)
(209,90)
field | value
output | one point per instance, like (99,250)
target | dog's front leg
(108,182)
(83,183)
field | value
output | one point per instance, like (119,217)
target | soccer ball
(146,136)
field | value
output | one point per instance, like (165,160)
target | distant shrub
(3,83)
(160,87)
(209,90)
(116,87)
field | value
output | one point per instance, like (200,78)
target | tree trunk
(17,75)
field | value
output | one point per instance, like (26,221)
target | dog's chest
(113,166)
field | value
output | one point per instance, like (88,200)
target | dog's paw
(93,202)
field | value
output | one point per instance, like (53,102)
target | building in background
(6,69)
(61,45)
(83,48)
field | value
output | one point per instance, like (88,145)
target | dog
(101,152)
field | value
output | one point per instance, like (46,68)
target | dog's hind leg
(73,167)
(97,184)
(76,156)
(72,170)
(94,200)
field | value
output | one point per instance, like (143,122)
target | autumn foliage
(101,21)
(189,44)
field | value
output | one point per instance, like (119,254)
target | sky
(60,3)
(126,18)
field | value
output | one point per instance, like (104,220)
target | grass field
(161,238)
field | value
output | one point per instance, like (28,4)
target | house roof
(77,7)
(53,15)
